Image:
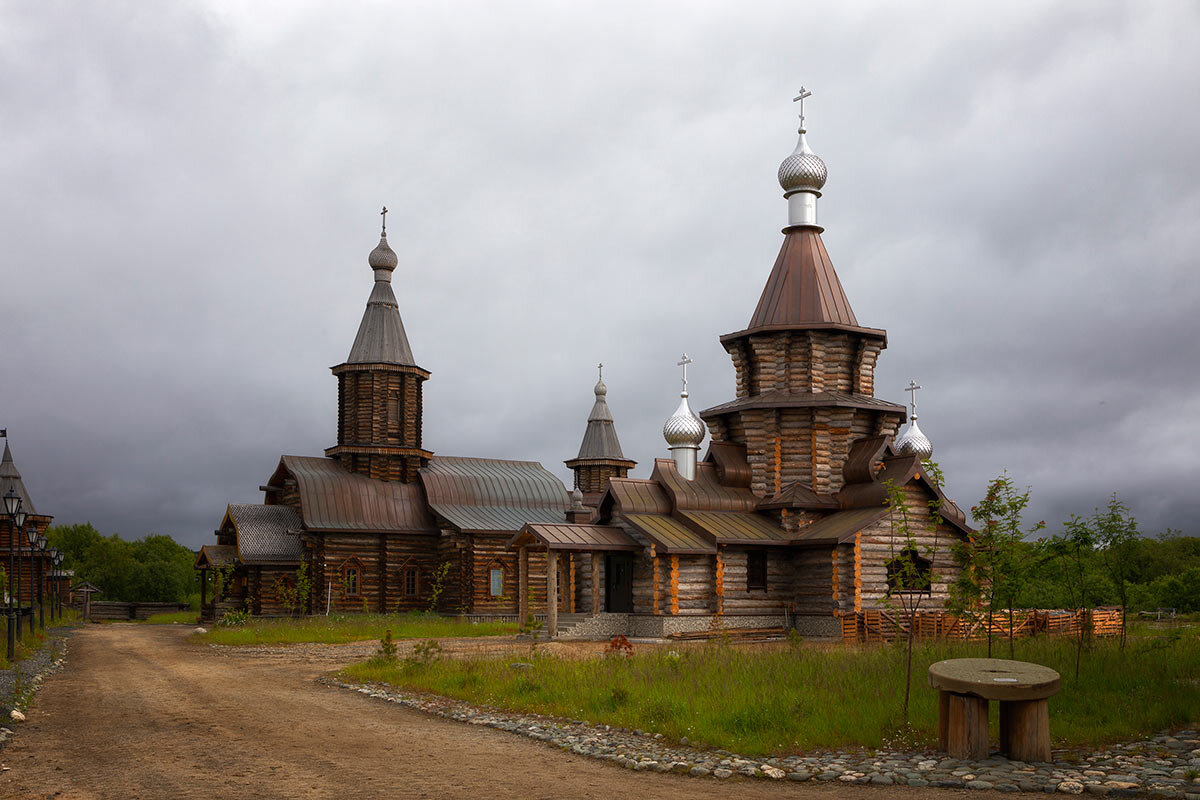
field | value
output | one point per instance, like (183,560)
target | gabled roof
(803,291)
(600,442)
(265,534)
(10,476)
(215,555)
(589,538)
(484,494)
(381,338)
(798,495)
(631,496)
(332,499)
(839,526)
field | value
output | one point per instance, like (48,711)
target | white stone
(1071,787)
(772,772)
(17,715)
(200,630)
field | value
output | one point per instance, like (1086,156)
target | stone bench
(965,687)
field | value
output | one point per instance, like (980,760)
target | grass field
(760,702)
(28,643)
(351,628)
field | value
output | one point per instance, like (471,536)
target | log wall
(739,599)
(812,572)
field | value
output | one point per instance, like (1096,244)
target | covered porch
(589,570)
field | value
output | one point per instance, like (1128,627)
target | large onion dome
(914,443)
(684,428)
(803,170)
(383,256)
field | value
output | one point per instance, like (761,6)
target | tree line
(153,569)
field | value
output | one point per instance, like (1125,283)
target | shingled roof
(600,442)
(265,534)
(381,338)
(10,476)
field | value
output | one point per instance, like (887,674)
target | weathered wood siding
(812,572)
(741,600)
(880,543)
(490,550)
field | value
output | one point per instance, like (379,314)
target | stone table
(1022,689)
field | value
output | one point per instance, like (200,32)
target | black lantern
(12,501)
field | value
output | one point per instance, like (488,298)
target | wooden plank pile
(743,635)
(890,625)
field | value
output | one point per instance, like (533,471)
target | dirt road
(138,712)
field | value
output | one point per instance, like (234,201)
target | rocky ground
(1166,766)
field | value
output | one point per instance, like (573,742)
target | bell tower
(805,367)
(379,386)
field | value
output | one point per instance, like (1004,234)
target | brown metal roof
(782,398)
(735,528)
(729,458)
(574,537)
(798,495)
(669,534)
(803,286)
(839,526)
(332,499)
(483,494)
(705,493)
(265,534)
(215,555)
(897,469)
(635,496)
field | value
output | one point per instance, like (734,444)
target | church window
(756,570)
(410,581)
(909,572)
(393,411)
(496,581)
(350,581)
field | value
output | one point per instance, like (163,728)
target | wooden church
(784,521)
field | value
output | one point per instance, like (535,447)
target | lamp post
(52,588)
(12,507)
(41,547)
(58,559)
(31,536)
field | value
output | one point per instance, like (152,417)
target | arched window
(410,581)
(909,572)
(496,581)
(352,577)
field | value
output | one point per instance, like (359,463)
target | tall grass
(173,617)
(759,702)
(338,629)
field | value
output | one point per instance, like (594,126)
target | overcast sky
(190,192)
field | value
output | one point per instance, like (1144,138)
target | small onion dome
(914,443)
(601,389)
(684,428)
(803,170)
(383,256)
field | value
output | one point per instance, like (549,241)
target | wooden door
(618,583)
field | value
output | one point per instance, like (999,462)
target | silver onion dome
(684,428)
(803,170)
(914,443)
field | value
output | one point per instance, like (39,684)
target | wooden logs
(595,583)
(674,584)
(552,594)
(966,725)
(523,586)
(1025,729)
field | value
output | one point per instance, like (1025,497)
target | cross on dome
(384,215)
(800,97)
(912,391)
(683,363)
(600,367)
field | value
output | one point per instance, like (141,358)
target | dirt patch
(139,711)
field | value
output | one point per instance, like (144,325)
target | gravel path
(137,711)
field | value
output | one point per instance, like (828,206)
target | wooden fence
(886,626)
(111,609)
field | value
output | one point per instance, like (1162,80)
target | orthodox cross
(384,215)
(803,94)
(600,367)
(912,391)
(683,363)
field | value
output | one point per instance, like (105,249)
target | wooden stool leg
(943,721)
(967,734)
(1025,729)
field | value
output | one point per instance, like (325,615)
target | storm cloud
(191,191)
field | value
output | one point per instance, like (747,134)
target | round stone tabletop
(994,678)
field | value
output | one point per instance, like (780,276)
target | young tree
(911,569)
(1116,536)
(995,563)
(1072,549)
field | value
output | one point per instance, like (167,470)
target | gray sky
(191,191)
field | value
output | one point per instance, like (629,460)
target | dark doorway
(618,583)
